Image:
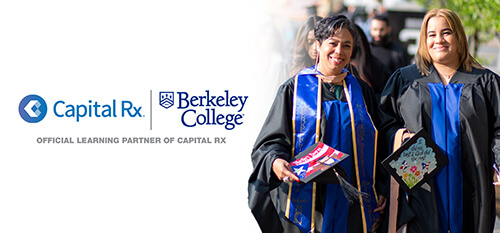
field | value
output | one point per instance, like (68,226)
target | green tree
(481,18)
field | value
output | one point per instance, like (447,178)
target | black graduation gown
(275,140)
(406,99)
(392,54)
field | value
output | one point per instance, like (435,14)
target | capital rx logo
(32,108)
(167,99)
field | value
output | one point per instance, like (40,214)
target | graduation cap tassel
(350,192)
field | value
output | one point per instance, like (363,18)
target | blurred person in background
(305,51)
(390,53)
(368,67)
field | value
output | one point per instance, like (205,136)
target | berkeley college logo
(167,99)
(33,108)
(207,108)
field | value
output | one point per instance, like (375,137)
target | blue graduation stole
(306,128)
(446,133)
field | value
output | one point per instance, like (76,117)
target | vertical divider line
(150,109)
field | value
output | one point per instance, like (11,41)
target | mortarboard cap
(415,162)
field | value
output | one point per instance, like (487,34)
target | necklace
(447,76)
(330,79)
(333,79)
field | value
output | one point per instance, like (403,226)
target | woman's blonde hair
(423,58)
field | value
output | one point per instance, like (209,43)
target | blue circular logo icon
(32,108)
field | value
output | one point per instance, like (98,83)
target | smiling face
(441,42)
(335,52)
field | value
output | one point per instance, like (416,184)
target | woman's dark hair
(330,25)
(301,57)
(362,49)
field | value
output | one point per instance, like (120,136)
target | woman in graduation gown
(321,103)
(457,101)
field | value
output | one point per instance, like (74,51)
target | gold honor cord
(318,110)
(375,164)
(349,101)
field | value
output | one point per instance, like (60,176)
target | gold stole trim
(355,152)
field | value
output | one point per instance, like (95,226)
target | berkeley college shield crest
(166,99)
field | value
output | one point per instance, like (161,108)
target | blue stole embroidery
(361,147)
(446,134)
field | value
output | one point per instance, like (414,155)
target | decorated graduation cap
(415,162)
(317,164)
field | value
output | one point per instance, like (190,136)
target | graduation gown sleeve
(493,93)
(274,141)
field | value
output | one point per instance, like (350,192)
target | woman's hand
(380,204)
(283,171)
(406,135)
